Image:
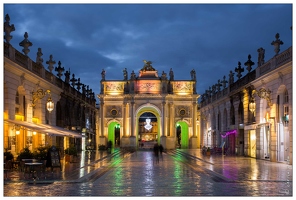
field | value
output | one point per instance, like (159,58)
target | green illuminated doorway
(182,135)
(114,134)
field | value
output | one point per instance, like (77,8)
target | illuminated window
(17,98)
(286,97)
(286,108)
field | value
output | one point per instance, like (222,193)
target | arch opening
(182,135)
(113,135)
(148,127)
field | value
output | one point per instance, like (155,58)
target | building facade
(41,109)
(252,116)
(145,108)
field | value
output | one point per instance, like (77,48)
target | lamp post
(17,132)
(252,105)
(39,94)
(262,94)
(49,104)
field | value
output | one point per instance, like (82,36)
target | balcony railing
(267,67)
(25,62)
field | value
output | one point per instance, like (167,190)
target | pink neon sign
(228,133)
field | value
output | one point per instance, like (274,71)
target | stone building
(41,109)
(252,116)
(138,111)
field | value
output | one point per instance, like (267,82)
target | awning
(45,128)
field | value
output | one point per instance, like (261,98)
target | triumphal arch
(138,111)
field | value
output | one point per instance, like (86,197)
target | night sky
(210,38)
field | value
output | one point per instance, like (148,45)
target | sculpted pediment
(182,87)
(148,87)
(114,88)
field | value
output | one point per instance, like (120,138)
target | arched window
(59,119)
(20,105)
(240,113)
(278,108)
(219,122)
(286,108)
(17,98)
(17,103)
(46,115)
(67,121)
(232,115)
(286,97)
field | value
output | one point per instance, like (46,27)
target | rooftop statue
(193,75)
(171,75)
(147,66)
(103,73)
(125,74)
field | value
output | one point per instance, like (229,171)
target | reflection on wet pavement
(138,175)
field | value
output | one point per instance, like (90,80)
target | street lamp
(17,130)
(39,94)
(261,93)
(50,103)
(252,105)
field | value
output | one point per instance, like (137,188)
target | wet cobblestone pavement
(179,173)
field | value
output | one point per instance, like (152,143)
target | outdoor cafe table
(23,161)
(33,168)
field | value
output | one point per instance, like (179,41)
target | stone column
(163,138)
(163,119)
(124,120)
(132,110)
(132,138)
(102,139)
(193,140)
(102,119)
(194,111)
(97,128)
(127,123)
(172,117)
(124,142)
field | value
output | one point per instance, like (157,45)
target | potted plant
(8,160)
(8,156)
(70,154)
(102,147)
(41,154)
(25,154)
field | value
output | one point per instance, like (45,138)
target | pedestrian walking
(109,146)
(156,153)
(160,151)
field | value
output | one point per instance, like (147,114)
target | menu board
(54,157)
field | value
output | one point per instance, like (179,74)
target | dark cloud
(210,38)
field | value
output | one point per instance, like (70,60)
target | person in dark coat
(156,152)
